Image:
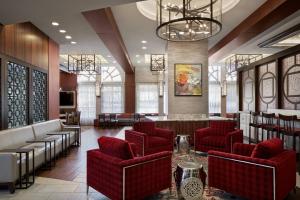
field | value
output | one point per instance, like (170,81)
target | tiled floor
(73,187)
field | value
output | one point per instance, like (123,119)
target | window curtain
(232,97)
(147,98)
(87,102)
(214,97)
(112,99)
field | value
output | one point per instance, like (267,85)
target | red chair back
(222,127)
(147,127)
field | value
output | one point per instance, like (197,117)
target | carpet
(214,193)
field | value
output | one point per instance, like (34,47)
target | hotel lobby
(152,99)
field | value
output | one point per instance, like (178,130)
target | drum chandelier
(188,20)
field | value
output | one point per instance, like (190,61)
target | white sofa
(17,139)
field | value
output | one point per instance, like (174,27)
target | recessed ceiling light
(144,48)
(109,56)
(62,31)
(137,55)
(144,41)
(114,61)
(68,37)
(73,42)
(138,61)
(55,24)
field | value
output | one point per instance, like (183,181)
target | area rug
(213,194)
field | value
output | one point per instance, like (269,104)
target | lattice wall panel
(248,90)
(291,82)
(17,95)
(267,86)
(39,94)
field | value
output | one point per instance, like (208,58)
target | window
(214,77)
(110,74)
(147,98)
(87,102)
(111,99)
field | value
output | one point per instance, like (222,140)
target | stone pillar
(190,53)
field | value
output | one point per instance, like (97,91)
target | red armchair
(265,177)
(111,171)
(220,136)
(148,139)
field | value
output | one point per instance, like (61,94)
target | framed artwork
(188,79)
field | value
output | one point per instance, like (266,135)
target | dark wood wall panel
(267,87)
(248,90)
(68,81)
(129,93)
(291,82)
(53,80)
(26,42)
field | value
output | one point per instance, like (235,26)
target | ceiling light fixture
(62,31)
(55,24)
(85,64)
(114,61)
(68,37)
(193,20)
(144,48)
(137,55)
(73,42)
(138,61)
(144,41)
(109,56)
(157,62)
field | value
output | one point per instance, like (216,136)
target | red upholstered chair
(149,139)
(116,173)
(264,171)
(220,135)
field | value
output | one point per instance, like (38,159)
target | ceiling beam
(104,24)
(267,15)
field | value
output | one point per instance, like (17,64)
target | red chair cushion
(213,140)
(268,149)
(115,147)
(222,127)
(145,127)
(157,141)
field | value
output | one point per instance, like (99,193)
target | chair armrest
(243,149)
(139,139)
(165,133)
(233,137)
(8,172)
(147,174)
(104,173)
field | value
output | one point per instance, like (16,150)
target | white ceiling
(68,14)
(134,27)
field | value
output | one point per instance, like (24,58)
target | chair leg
(12,187)
(294,142)
(250,134)
(256,135)
(87,189)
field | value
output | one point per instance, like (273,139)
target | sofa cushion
(222,127)
(41,129)
(115,147)
(268,149)
(213,140)
(157,141)
(147,127)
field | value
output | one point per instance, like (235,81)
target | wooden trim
(267,15)
(104,24)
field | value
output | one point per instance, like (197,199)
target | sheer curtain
(232,97)
(112,99)
(147,98)
(87,102)
(214,97)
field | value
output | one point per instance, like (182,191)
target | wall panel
(248,88)
(267,83)
(291,82)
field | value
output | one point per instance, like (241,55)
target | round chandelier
(188,20)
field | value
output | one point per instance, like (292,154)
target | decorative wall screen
(291,82)
(248,90)
(17,95)
(267,86)
(39,95)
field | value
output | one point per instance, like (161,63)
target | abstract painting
(188,79)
